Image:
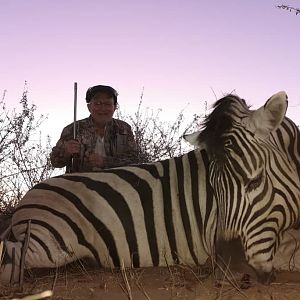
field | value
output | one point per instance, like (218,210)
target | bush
(24,160)
(157,139)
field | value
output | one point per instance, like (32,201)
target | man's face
(102,107)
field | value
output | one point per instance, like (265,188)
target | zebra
(254,174)
(156,214)
(140,215)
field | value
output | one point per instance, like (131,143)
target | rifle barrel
(75,110)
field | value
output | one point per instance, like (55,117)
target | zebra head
(253,174)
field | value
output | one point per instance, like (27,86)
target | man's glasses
(103,103)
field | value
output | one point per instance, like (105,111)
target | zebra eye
(254,183)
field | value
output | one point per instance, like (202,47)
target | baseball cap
(92,91)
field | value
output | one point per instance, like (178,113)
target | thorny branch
(289,8)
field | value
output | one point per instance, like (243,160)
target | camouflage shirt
(119,145)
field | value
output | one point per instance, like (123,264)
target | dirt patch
(151,283)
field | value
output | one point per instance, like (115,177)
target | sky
(180,53)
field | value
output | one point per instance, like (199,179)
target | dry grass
(173,282)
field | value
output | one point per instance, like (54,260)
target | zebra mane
(219,121)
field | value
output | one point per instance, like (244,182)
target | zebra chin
(263,268)
(231,254)
(265,277)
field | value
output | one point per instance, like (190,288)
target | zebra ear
(193,138)
(268,118)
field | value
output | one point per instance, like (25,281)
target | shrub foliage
(24,159)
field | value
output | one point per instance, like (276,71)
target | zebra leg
(10,265)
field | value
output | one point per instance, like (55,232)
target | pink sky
(180,51)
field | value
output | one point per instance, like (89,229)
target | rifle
(75,157)
(75,110)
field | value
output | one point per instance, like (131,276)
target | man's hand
(72,147)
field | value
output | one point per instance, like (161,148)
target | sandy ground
(151,283)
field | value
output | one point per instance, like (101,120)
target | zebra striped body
(254,173)
(146,215)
